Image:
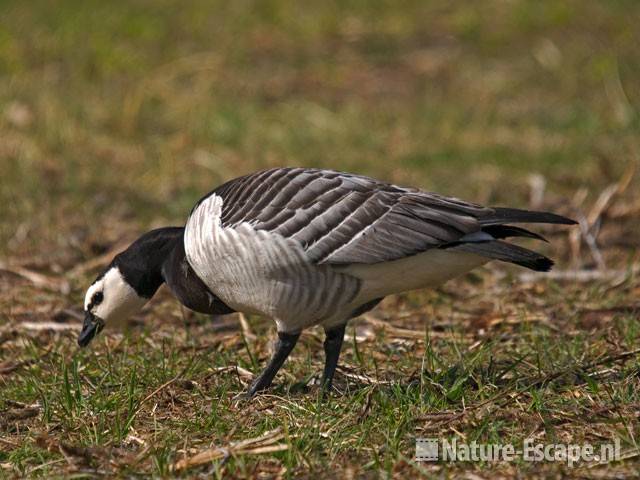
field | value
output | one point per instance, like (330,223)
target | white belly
(427,269)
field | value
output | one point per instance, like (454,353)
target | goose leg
(332,346)
(286,342)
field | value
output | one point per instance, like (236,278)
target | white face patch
(112,299)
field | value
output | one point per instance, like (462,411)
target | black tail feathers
(508,252)
(507,231)
(496,223)
(501,216)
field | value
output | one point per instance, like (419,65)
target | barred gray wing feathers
(341,218)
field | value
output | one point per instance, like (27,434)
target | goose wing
(340,218)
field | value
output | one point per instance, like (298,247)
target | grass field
(115,117)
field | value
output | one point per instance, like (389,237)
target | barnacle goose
(308,247)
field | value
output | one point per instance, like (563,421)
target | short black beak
(90,328)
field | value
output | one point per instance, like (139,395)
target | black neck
(141,264)
(187,286)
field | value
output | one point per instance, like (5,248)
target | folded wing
(340,218)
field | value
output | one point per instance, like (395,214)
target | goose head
(128,283)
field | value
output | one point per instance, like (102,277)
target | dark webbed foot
(332,347)
(286,342)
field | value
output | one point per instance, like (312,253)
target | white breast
(261,272)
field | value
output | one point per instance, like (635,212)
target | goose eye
(97,298)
